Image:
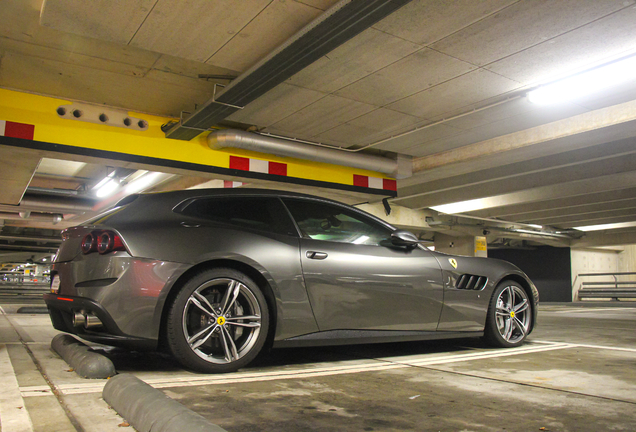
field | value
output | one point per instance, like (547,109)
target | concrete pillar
(481,246)
(461,245)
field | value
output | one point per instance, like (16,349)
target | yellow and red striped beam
(32,121)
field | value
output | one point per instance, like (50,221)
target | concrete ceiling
(441,81)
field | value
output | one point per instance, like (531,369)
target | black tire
(218,322)
(509,316)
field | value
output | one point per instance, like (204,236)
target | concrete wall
(556,276)
(592,261)
(617,259)
(627,259)
(548,267)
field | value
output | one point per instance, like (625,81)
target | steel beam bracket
(222,103)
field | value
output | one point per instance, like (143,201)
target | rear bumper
(62,308)
(126,293)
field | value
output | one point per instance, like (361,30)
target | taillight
(89,243)
(108,242)
(103,242)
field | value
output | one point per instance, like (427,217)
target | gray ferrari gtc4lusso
(217,275)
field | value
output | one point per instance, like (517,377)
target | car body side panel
(275,256)
(372,287)
(466,310)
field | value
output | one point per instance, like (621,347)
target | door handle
(316,255)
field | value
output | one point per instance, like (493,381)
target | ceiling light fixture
(103,181)
(461,207)
(606,226)
(116,178)
(142,182)
(584,83)
(108,188)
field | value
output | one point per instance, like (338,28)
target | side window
(264,214)
(321,221)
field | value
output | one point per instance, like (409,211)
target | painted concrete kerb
(79,356)
(149,410)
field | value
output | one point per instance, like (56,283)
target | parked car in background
(217,275)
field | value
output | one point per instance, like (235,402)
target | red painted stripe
(65,299)
(239,163)
(359,180)
(389,184)
(228,184)
(19,130)
(278,168)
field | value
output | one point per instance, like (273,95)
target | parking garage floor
(577,373)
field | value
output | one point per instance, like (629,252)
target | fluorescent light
(142,182)
(585,83)
(461,207)
(606,226)
(107,188)
(103,181)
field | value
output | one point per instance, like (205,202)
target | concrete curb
(149,410)
(33,310)
(86,363)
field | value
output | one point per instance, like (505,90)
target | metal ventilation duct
(333,28)
(398,168)
(58,204)
(36,217)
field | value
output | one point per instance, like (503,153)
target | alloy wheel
(513,314)
(222,320)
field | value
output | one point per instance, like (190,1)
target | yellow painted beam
(40,111)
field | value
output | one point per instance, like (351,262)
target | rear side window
(263,214)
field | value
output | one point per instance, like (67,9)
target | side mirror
(404,238)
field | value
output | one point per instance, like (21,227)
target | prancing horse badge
(453,262)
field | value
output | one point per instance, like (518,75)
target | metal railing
(23,292)
(612,287)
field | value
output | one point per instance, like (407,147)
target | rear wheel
(218,322)
(509,316)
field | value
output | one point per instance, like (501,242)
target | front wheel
(509,316)
(218,322)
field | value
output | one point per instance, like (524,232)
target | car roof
(191,193)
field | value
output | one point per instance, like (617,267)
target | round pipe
(280,147)
(55,203)
(37,217)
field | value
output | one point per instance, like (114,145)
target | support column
(461,245)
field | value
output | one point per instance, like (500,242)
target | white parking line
(371,365)
(484,355)
(13,413)
(578,310)
(355,366)
(600,347)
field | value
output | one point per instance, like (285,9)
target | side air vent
(471,282)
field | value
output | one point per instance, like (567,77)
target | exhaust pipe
(86,320)
(92,322)
(79,319)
